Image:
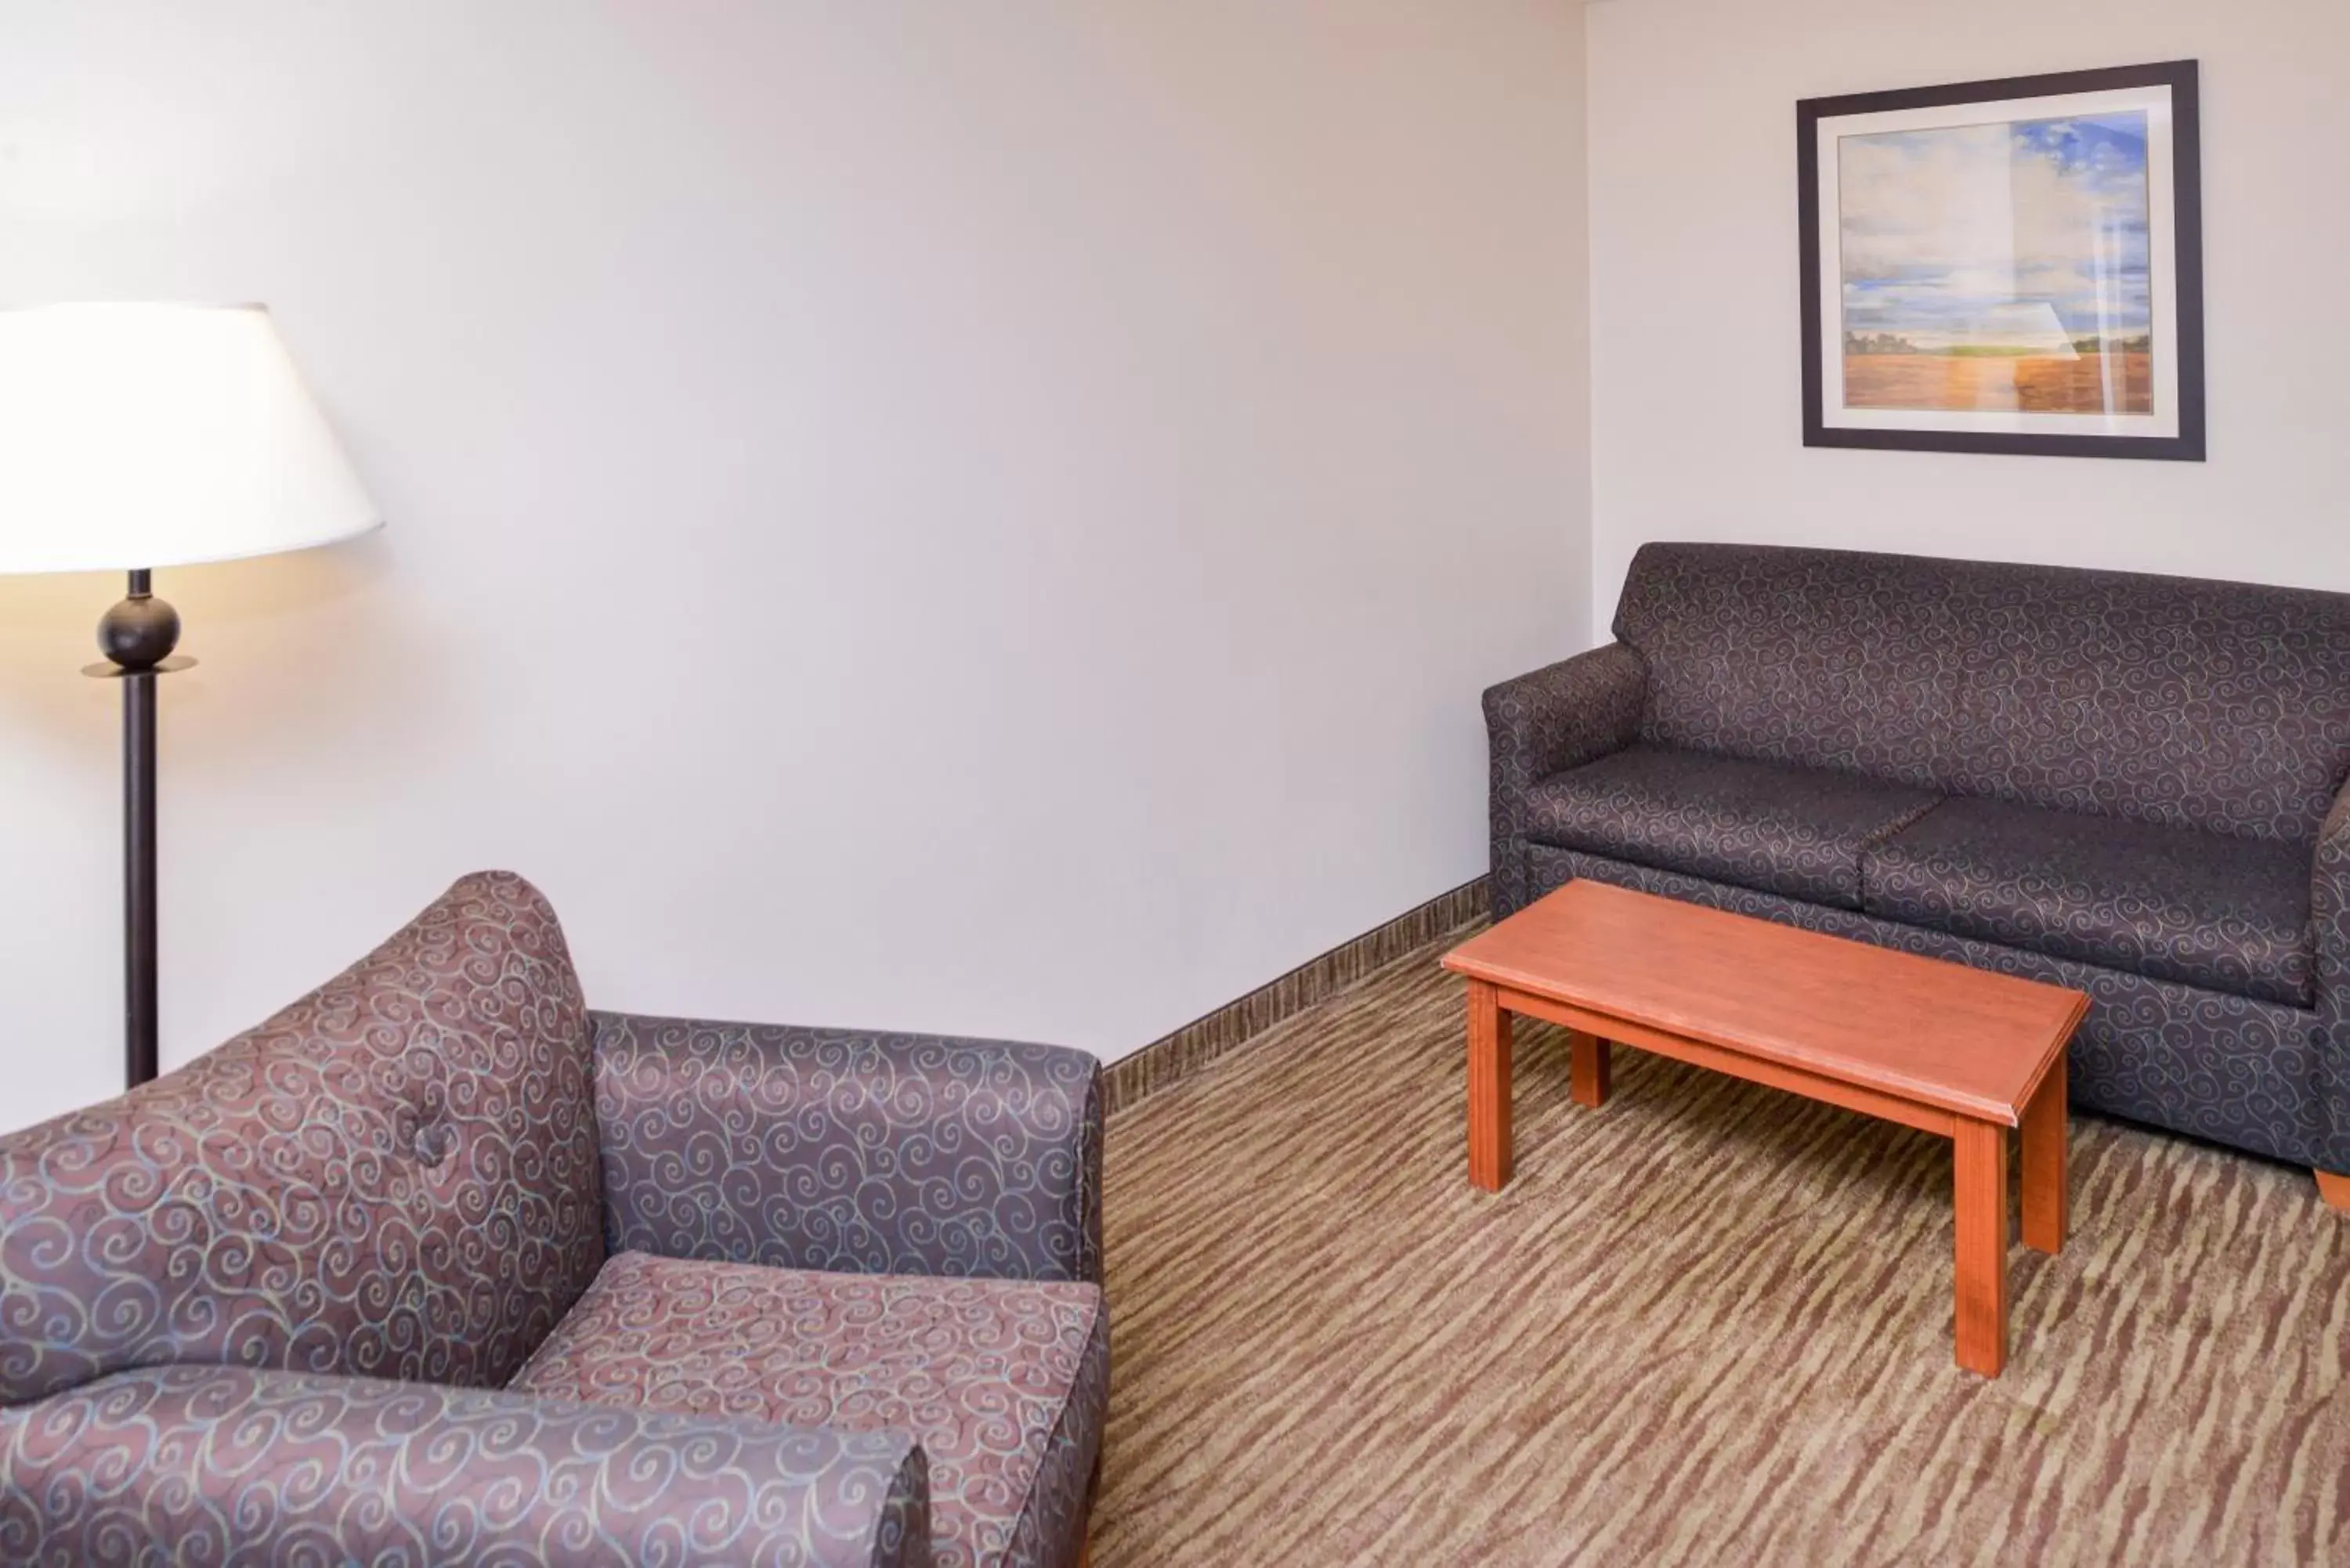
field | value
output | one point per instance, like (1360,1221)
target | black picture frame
(2181,77)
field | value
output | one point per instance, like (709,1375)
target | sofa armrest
(236,1466)
(849,1151)
(2329,920)
(1559,717)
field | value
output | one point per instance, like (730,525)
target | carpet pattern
(1708,1324)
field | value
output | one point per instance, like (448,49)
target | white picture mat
(2162,253)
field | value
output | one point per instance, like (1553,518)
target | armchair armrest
(2329,920)
(1558,717)
(236,1466)
(849,1151)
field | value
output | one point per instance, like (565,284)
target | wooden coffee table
(1955,1051)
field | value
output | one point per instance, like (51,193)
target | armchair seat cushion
(1798,832)
(2209,910)
(1003,1382)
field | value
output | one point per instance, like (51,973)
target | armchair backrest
(396,1177)
(2224,706)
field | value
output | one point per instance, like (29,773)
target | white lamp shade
(134,436)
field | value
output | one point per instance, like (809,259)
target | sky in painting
(2006,234)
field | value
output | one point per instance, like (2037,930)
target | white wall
(989,518)
(1697,431)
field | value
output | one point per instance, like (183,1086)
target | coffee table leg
(2045,1200)
(1489,1088)
(1980,1160)
(1588,1069)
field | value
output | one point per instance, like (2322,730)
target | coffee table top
(1926,1030)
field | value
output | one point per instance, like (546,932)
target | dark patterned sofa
(438,1267)
(2129,785)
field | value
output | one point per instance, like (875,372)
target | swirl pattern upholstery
(241,1467)
(396,1177)
(859,1152)
(1542,724)
(264,1310)
(1004,1381)
(2226,914)
(1797,831)
(2227,1068)
(2134,783)
(2221,706)
(2329,920)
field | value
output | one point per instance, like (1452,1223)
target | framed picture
(2007,266)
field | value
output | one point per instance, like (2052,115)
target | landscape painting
(2001,266)
(2006,266)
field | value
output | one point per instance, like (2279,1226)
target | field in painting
(1999,383)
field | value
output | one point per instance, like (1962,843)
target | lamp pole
(137,637)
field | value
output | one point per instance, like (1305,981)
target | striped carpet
(1709,1323)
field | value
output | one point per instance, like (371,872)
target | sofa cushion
(2238,1071)
(1003,1382)
(2228,914)
(1796,831)
(396,1177)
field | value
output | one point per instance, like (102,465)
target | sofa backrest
(2223,706)
(396,1177)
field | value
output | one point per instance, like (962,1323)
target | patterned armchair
(437,1267)
(2131,785)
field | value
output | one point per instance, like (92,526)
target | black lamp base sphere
(140,632)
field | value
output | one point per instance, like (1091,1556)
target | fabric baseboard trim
(1174,1057)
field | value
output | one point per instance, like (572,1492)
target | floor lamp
(139,436)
